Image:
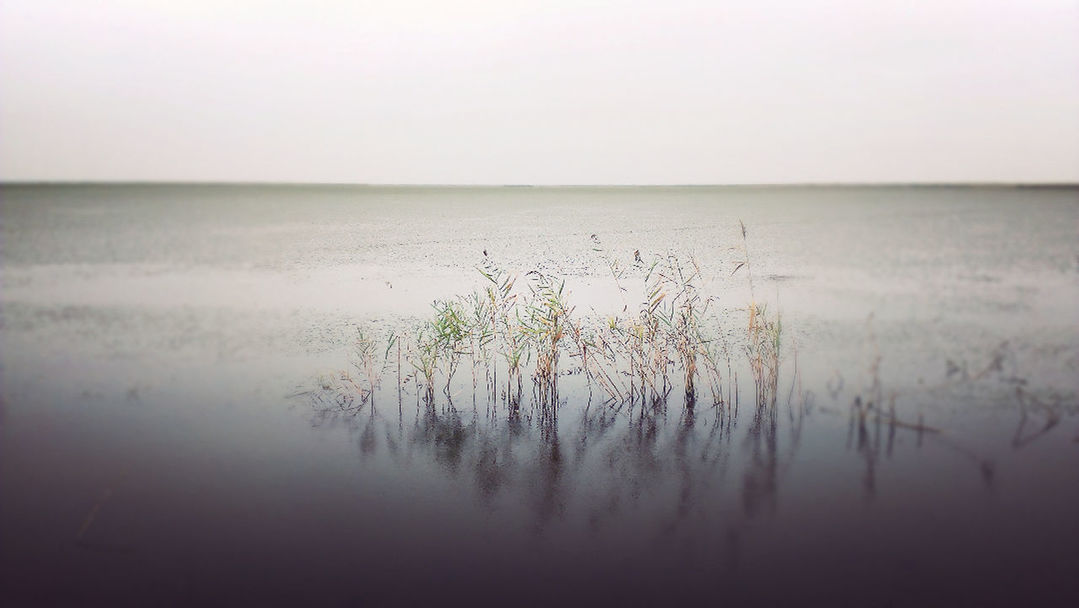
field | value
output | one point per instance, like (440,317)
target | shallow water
(162,438)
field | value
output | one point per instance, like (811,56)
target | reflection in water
(1030,403)
(572,458)
(162,341)
(563,455)
(873,427)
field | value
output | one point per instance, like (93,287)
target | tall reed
(672,340)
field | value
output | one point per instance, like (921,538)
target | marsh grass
(547,315)
(506,328)
(521,331)
(764,335)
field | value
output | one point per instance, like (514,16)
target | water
(164,437)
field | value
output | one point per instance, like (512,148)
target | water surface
(159,441)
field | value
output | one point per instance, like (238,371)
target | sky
(554,92)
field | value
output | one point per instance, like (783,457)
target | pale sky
(552,92)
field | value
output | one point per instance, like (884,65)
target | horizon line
(343,184)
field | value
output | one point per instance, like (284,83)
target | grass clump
(511,331)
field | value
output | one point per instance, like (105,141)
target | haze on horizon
(543,93)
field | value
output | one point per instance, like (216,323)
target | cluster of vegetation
(524,332)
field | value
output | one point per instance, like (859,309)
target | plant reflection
(562,455)
(558,456)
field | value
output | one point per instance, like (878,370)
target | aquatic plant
(509,331)
(424,352)
(764,333)
(365,350)
(451,336)
(673,317)
(506,325)
(545,321)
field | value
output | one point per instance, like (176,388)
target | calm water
(164,438)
